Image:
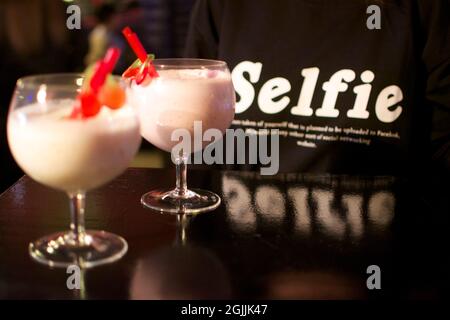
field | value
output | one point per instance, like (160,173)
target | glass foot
(61,250)
(167,201)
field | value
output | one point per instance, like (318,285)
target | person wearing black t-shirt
(346,97)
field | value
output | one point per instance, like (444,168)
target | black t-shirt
(346,98)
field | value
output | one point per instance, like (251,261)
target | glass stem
(77,207)
(181,175)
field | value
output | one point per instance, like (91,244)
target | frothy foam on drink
(193,74)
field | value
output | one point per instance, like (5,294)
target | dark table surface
(290,236)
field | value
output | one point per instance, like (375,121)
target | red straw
(111,58)
(104,67)
(135,43)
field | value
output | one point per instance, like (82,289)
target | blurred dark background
(34,39)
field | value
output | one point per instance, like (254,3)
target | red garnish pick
(88,104)
(147,69)
(111,58)
(131,72)
(143,73)
(135,44)
(103,68)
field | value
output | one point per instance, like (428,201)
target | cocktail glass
(70,155)
(185,93)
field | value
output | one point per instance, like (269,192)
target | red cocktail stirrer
(88,104)
(140,52)
(135,44)
(104,67)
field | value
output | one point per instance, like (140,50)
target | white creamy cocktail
(72,155)
(71,138)
(177,98)
(184,91)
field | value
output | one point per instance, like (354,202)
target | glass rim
(188,63)
(37,80)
